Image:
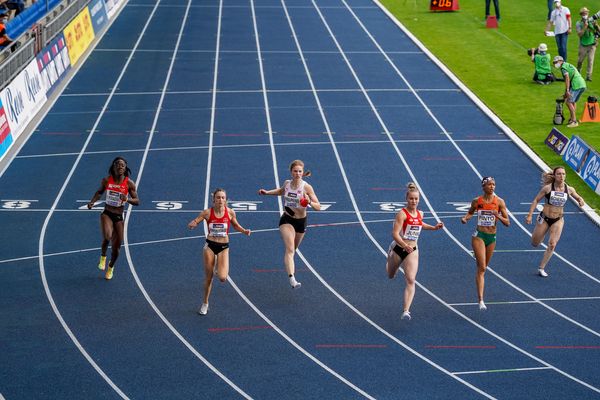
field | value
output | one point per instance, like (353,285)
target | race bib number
(292,200)
(485,218)
(412,232)
(558,199)
(218,229)
(113,198)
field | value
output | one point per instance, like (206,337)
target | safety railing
(16,56)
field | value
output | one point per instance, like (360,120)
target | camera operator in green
(542,63)
(588,32)
(574,87)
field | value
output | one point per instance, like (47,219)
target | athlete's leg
(554,237)
(539,232)
(288,235)
(479,251)
(117,239)
(393,262)
(410,267)
(106,227)
(223,265)
(209,265)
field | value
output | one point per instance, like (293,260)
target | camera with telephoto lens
(533,51)
(595,16)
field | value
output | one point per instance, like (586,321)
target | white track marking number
(390,206)
(17,204)
(241,205)
(169,205)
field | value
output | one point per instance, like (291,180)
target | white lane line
(360,142)
(474,169)
(130,210)
(250,91)
(362,222)
(425,198)
(530,301)
(280,206)
(56,201)
(501,370)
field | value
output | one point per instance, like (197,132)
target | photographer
(543,66)
(574,87)
(588,31)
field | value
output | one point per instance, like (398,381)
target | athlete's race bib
(113,198)
(412,232)
(217,229)
(558,199)
(291,199)
(485,218)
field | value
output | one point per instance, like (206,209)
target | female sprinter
(218,218)
(119,190)
(556,192)
(490,208)
(297,195)
(403,249)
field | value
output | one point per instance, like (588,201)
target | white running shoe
(406,315)
(295,284)
(482,306)
(542,273)
(203,309)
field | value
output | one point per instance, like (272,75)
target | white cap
(543,47)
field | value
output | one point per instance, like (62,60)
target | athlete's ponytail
(548,177)
(411,187)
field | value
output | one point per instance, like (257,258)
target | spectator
(4,39)
(496,9)
(543,65)
(561,19)
(587,29)
(17,5)
(574,87)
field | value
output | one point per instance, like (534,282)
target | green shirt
(542,64)
(588,38)
(575,77)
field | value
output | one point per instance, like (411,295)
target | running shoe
(482,306)
(572,124)
(203,309)
(295,284)
(102,263)
(542,273)
(109,273)
(406,315)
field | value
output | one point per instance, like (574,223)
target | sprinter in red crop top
(490,208)
(403,249)
(218,220)
(550,219)
(120,190)
(297,196)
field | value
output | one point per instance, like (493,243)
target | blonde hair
(411,187)
(548,177)
(300,163)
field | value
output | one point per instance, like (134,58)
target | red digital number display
(443,5)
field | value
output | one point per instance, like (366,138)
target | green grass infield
(494,64)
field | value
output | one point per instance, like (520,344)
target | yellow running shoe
(109,273)
(102,263)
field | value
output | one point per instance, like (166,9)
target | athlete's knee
(551,245)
